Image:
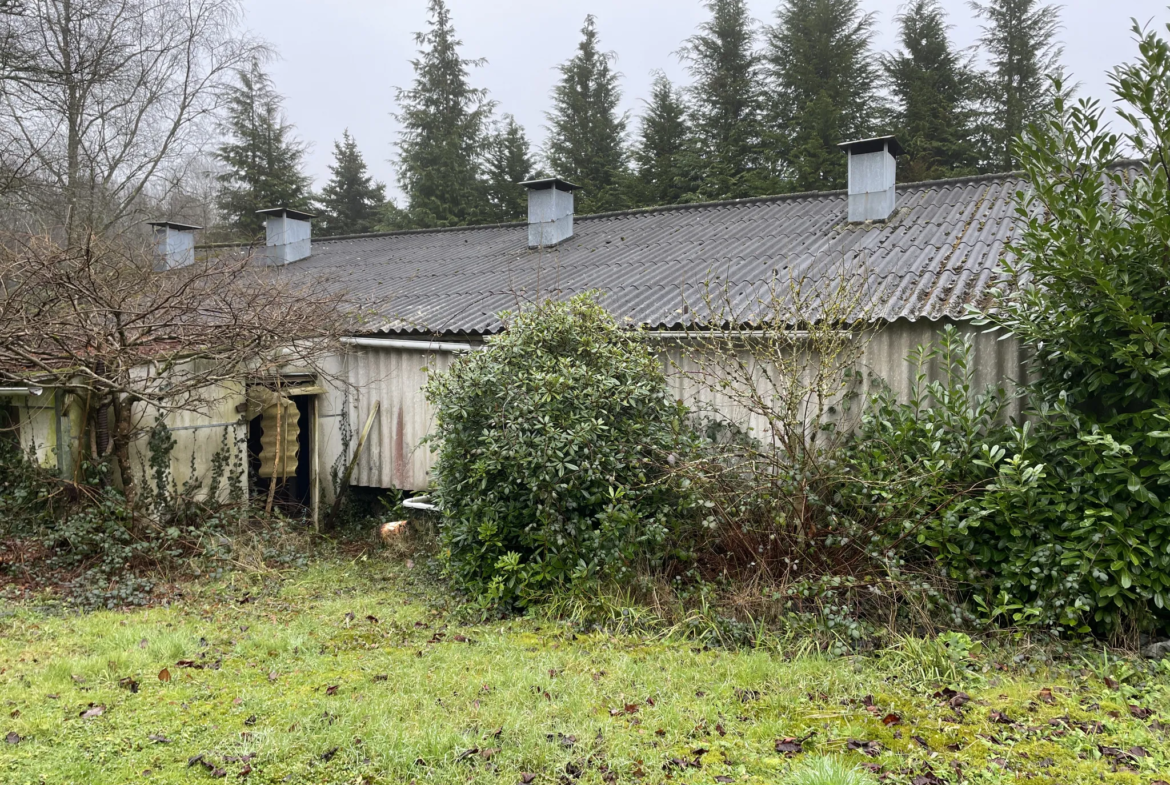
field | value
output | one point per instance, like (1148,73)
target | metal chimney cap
(874,145)
(175,225)
(551,182)
(288,212)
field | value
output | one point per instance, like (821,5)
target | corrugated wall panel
(393,457)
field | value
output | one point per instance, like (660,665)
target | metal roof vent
(550,211)
(174,244)
(873,171)
(290,235)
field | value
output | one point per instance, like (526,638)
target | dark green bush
(1068,526)
(555,445)
(912,464)
(1077,524)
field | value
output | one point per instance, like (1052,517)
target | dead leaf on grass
(93,711)
(12,738)
(870,748)
(792,746)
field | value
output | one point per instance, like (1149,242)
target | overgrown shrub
(554,451)
(1074,531)
(912,466)
(809,524)
(102,550)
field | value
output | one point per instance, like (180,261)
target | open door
(281,447)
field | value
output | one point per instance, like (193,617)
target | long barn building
(916,257)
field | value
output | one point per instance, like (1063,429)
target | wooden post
(344,485)
(315,466)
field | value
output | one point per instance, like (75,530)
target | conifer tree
(444,132)
(727,103)
(261,158)
(509,163)
(934,87)
(663,166)
(351,202)
(823,85)
(1020,40)
(586,131)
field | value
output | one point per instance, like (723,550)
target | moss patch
(352,673)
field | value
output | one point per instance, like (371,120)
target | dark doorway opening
(293,493)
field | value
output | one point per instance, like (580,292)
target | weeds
(828,770)
(946,660)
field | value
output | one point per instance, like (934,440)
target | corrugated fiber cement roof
(665,268)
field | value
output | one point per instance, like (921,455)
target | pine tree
(444,132)
(351,202)
(509,163)
(823,83)
(935,89)
(727,103)
(663,174)
(586,132)
(1020,41)
(261,157)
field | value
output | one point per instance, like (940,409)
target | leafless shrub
(132,343)
(775,374)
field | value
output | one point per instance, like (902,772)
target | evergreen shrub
(555,452)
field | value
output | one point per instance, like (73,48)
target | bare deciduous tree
(111,99)
(97,319)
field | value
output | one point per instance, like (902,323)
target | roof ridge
(664,208)
(434,230)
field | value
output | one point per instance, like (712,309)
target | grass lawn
(352,673)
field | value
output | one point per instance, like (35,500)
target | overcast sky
(340,61)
